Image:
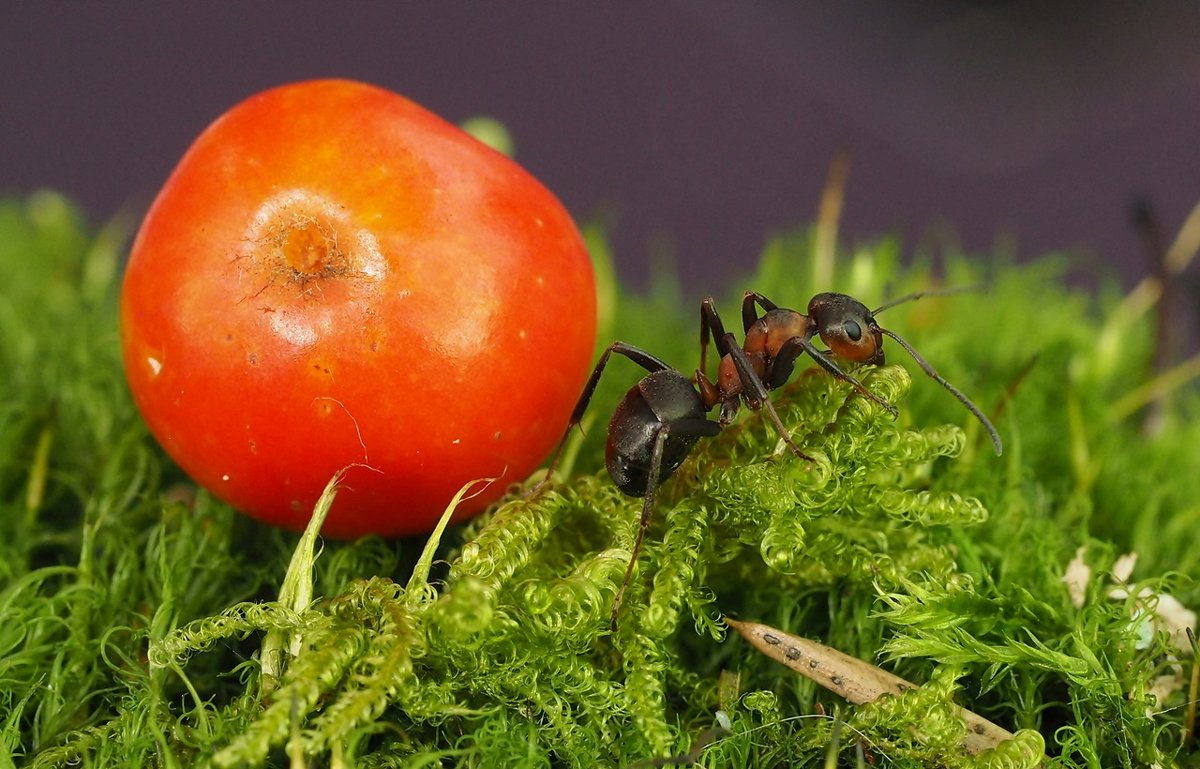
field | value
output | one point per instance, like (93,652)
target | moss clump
(133,608)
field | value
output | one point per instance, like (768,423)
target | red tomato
(334,276)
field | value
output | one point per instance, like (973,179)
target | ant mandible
(660,419)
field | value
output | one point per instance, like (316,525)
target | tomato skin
(333,276)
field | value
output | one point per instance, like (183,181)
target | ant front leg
(791,350)
(635,354)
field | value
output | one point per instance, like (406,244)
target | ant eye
(852,329)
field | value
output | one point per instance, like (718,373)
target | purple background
(707,123)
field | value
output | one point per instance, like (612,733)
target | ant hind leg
(688,426)
(635,354)
(660,439)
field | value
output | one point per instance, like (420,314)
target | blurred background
(696,129)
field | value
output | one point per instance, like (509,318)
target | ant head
(848,327)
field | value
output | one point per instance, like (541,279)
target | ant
(659,420)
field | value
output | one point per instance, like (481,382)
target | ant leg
(749,314)
(688,426)
(710,393)
(783,431)
(635,354)
(755,393)
(791,350)
(928,369)
(782,365)
(710,323)
(660,439)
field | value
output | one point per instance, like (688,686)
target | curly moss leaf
(308,678)
(350,668)
(766,705)
(681,555)
(645,689)
(1026,750)
(235,622)
(508,540)
(464,612)
(384,671)
(922,507)
(923,722)
(296,590)
(577,604)
(419,592)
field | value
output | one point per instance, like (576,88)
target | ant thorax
(771,331)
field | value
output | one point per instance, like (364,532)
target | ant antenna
(928,369)
(929,292)
(933,374)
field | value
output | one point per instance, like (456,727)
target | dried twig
(849,677)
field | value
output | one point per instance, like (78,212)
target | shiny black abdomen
(663,397)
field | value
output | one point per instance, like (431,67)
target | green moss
(134,608)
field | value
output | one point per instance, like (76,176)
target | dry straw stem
(857,681)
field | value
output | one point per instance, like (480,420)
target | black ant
(660,419)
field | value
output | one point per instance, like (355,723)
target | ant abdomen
(663,402)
